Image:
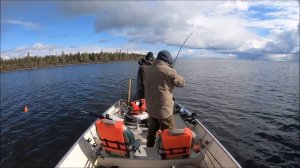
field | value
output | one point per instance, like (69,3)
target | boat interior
(89,149)
(150,156)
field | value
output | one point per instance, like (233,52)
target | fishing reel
(191,118)
(177,109)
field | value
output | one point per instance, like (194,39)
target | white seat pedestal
(138,118)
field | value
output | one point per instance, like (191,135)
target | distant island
(30,62)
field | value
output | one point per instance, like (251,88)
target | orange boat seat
(176,143)
(116,138)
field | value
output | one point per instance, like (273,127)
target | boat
(88,150)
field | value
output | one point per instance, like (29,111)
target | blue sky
(242,29)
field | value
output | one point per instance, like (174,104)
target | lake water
(252,107)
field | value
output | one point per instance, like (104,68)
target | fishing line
(200,28)
(93,114)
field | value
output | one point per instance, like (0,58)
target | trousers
(155,125)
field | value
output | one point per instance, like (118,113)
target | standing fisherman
(160,79)
(147,60)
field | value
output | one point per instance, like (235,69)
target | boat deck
(147,153)
(83,154)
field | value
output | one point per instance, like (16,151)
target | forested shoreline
(30,62)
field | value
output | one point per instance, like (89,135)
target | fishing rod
(186,40)
(100,116)
(93,114)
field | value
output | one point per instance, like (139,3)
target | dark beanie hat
(149,56)
(165,56)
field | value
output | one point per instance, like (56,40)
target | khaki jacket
(159,82)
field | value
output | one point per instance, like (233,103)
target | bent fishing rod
(201,28)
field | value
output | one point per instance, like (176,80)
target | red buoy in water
(25,109)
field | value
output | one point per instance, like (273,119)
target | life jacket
(176,143)
(115,137)
(138,106)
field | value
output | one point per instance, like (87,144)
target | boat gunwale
(118,102)
(213,137)
(82,135)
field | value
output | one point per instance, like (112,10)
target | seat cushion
(116,138)
(176,143)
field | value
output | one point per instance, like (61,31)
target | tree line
(30,62)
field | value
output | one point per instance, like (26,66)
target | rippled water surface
(252,107)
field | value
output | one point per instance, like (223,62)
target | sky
(266,30)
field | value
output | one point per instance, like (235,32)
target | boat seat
(176,143)
(137,112)
(116,138)
(138,118)
(137,106)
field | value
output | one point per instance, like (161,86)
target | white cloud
(280,9)
(280,57)
(229,6)
(283,24)
(169,23)
(35,50)
(29,25)
(231,56)
(39,49)
(38,46)
(284,45)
